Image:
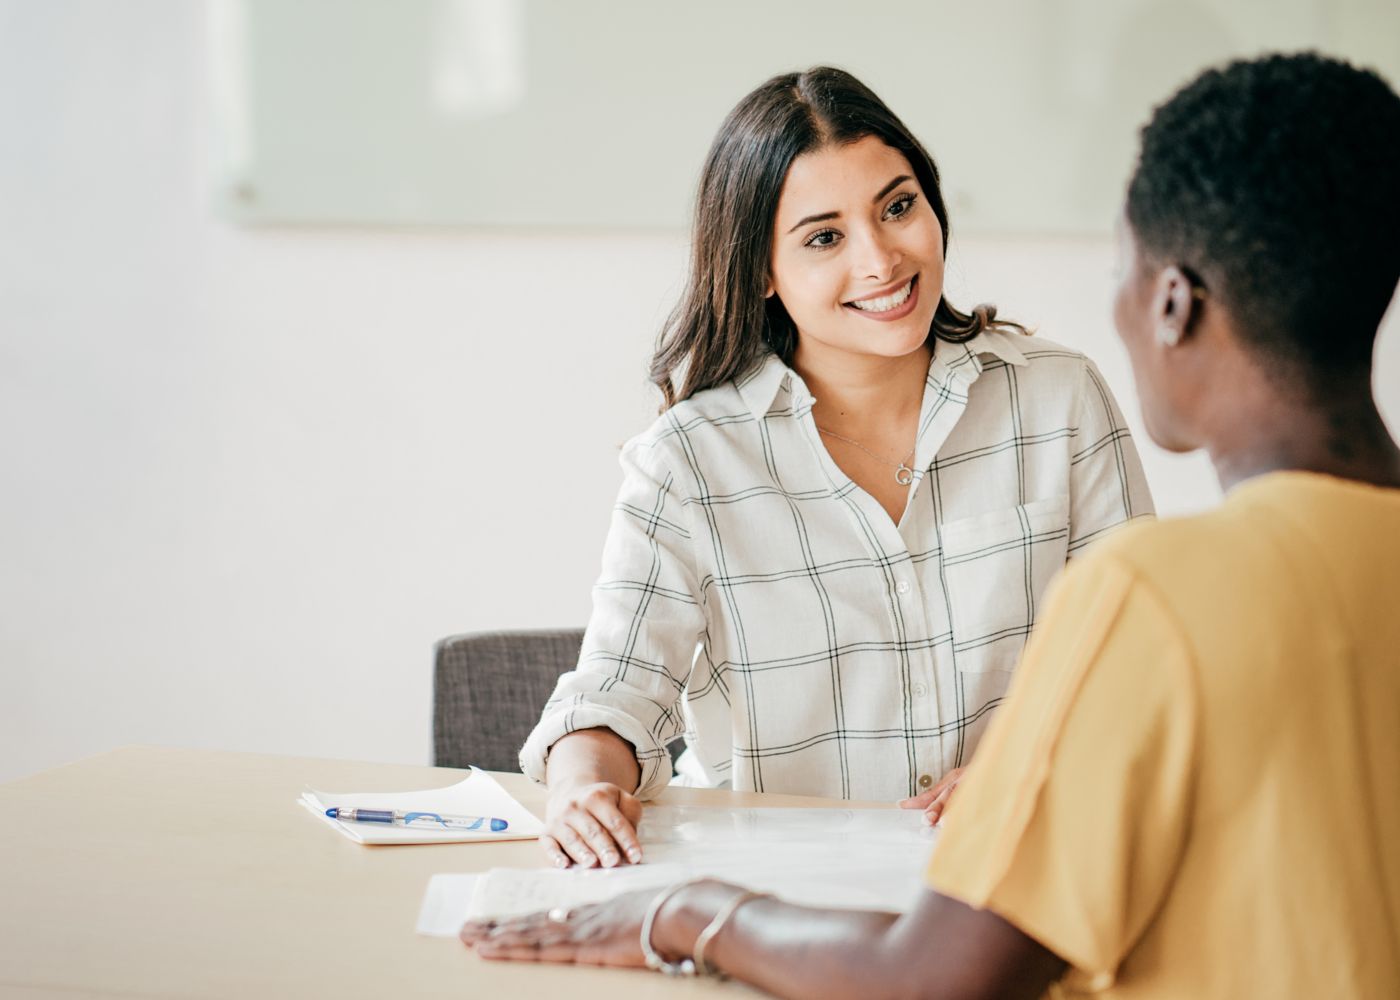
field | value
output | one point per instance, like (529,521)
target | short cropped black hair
(1276,183)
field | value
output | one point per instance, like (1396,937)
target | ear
(1174,305)
(768,289)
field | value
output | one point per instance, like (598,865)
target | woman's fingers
(599,840)
(948,782)
(535,933)
(475,930)
(573,844)
(556,854)
(527,937)
(527,952)
(620,817)
(925,800)
(920,801)
(934,812)
(593,825)
(935,809)
(605,820)
(604,934)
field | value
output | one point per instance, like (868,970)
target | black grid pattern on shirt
(717,590)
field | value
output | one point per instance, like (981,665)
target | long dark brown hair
(723,324)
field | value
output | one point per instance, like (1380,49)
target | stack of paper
(857,858)
(476,795)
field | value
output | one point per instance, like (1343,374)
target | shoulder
(1048,366)
(1153,547)
(1191,563)
(1039,349)
(1039,356)
(1049,383)
(1256,533)
(685,432)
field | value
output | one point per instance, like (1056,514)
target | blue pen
(431,820)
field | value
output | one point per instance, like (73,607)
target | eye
(822,239)
(901,206)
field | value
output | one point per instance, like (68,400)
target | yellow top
(1193,789)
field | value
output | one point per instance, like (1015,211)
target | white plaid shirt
(757,600)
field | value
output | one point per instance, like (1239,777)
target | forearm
(787,950)
(941,948)
(592,755)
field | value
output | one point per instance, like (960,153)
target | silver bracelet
(685,967)
(716,925)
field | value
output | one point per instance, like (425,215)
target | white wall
(248,477)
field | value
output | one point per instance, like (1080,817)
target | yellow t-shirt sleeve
(1073,815)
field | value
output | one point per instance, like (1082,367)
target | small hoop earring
(1168,335)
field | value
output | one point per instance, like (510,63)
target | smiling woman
(785,143)
(862,281)
(830,548)
(895,241)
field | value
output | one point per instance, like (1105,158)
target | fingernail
(634,855)
(561,862)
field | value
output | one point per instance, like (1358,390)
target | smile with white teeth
(886,302)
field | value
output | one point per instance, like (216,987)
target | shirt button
(920,690)
(925,780)
(902,587)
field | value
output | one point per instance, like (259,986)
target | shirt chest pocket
(996,567)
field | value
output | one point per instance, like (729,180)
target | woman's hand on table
(592,824)
(600,934)
(936,799)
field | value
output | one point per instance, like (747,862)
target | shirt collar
(760,387)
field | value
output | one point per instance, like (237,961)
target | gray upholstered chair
(489,689)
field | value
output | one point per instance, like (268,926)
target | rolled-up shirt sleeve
(642,635)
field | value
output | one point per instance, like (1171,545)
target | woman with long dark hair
(829,549)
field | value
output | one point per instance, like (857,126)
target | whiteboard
(568,114)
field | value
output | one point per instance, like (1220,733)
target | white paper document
(855,858)
(476,795)
(441,913)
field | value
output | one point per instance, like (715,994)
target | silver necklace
(903,475)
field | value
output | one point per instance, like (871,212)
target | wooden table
(157,872)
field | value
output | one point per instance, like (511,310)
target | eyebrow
(824,216)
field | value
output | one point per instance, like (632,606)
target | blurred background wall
(249,475)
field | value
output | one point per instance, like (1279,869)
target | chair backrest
(489,689)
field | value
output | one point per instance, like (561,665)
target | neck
(1340,434)
(862,394)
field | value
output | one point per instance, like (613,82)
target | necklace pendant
(903,475)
